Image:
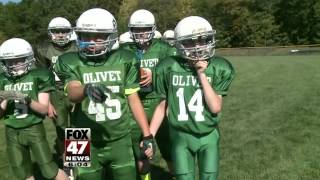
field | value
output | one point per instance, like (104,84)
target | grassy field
(270,124)
(271,120)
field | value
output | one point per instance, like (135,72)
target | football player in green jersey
(148,51)
(59,31)
(192,85)
(24,130)
(103,84)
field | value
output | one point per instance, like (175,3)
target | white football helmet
(60,31)
(16,57)
(195,38)
(142,26)
(97,32)
(157,35)
(168,36)
(125,37)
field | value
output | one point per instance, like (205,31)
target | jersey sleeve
(1,82)
(132,78)
(224,75)
(64,71)
(46,81)
(160,80)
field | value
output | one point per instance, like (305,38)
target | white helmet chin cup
(193,28)
(16,57)
(96,21)
(142,19)
(60,31)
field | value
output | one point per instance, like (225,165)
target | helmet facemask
(170,41)
(93,44)
(142,35)
(60,36)
(17,66)
(197,47)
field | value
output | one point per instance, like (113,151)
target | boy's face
(141,34)
(60,36)
(197,48)
(16,66)
(94,42)
(196,42)
(60,33)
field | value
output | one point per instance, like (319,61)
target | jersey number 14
(195,105)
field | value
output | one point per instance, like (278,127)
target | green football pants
(110,160)
(22,142)
(63,107)
(186,148)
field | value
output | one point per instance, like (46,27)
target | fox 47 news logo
(77,147)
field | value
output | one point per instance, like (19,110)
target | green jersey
(118,71)
(47,55)
(179,84)
(19,115)
(157,51)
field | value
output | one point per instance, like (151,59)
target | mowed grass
(270,122)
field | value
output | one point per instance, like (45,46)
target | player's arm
(3,107)
(158,117)
(40,106)
(75,91)
(213,100)
(147,144)
(138,113)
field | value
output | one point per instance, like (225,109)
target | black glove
(96,93)
(27,100)
(148,142)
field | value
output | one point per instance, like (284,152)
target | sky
(6,1)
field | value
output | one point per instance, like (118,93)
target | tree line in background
(239,23)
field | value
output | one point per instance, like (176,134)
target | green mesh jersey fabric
(178,83)
(18,115)
(157,51)
(118,71)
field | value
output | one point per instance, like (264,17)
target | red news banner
(77,147)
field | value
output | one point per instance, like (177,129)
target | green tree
(299,19)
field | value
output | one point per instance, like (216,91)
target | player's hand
(26,100)
(146,77)
(16,96)
(95,92)
(51,111)
(201,66)
(148,146)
